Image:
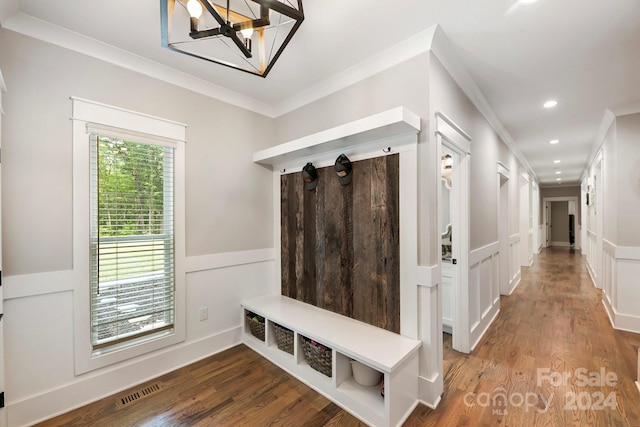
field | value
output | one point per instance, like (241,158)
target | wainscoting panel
(514,265)
(591,256)
(608,271)
(340,244)
(484,300)
(40,369)
(621,293)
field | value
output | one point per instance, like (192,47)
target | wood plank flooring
(553,324)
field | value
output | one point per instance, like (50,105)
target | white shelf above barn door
(357,137)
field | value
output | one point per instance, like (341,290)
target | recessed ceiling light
(556,161)
(554,141)
(558,172)
(550,103)
(558,179)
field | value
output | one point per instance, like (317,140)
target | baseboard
(513,284)
(485,323)
(619,321)
(592,274)
(430,390)
(625,322)
(609,310)
(60,400)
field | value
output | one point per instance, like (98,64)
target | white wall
(487,149)
(621,260)
(613,233)
(535,218)
(627,169)
(37,133)
(229,222)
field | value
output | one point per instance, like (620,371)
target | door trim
(451,135)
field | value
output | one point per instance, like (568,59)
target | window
(128,234)
(132,250)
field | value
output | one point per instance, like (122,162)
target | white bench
(395,356)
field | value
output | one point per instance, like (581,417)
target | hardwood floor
(552,327)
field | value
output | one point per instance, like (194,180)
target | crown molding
(8,8)
(432,39)
(444,51)
(626,109)
(608,119)
(407,49)
(45,31)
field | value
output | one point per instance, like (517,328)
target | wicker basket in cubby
(318,355)
(256,324)
(284,338)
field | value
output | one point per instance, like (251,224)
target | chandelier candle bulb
(194,8)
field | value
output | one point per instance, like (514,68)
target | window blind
(131,239)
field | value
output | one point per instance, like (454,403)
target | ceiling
(583,53)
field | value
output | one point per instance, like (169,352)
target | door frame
(546,202)
(452,136)
(503,229)
(526,253)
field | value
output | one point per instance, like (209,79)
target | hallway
(552,331)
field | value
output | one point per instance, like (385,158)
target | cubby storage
(283,337)
(318,355)
(325,343)
(256,324)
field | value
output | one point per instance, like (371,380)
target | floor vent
(129,399)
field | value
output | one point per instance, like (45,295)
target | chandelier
(248,35)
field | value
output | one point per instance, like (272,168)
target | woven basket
(256,327)
(319,358)
(284,338)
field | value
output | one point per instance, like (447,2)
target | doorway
(448,162)
(526,254)
(453,149)
(503,229)
(562,222)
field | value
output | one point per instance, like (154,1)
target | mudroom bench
(318,346)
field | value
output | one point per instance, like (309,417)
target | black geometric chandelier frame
(248,35)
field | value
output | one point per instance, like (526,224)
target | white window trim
(85,114)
